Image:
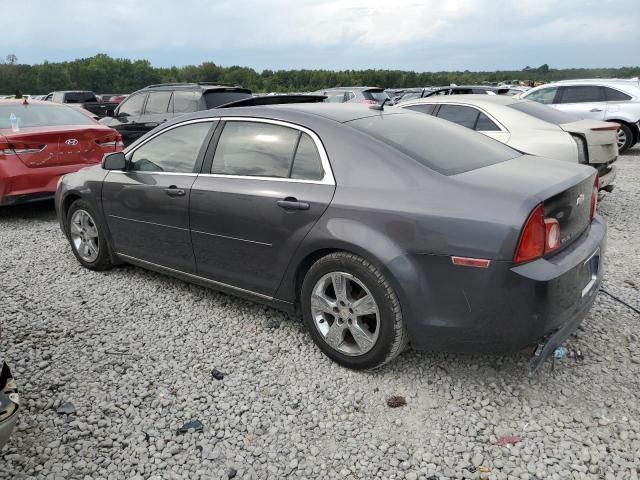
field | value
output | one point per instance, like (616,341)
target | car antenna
(381,106)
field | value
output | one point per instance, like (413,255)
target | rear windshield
(41,116)
(79,97)
(543,112)
(438,144)
(376,95)
(216,98)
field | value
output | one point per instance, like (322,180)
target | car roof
(476,99)
(348,88)
(203,86)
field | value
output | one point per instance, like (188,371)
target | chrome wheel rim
(84,236)
(622,138)
(345,313)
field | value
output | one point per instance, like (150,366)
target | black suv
(145,109)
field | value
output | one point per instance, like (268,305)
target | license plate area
(591,267)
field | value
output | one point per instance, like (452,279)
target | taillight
(594,198)
(540,236)
(532,239)
(583,156)
(4,149)
(20,148)
(112,141)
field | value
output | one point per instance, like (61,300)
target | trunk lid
(563,188)
(600,137)
(85,144)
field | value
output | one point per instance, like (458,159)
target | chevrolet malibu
(380,227)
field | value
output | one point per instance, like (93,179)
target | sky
(428,35)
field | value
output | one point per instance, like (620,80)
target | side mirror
(114,161)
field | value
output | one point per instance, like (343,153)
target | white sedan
(531,128)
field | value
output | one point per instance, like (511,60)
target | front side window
(545,95)
(132,106)
(465,116)
(174,151)
(157,103)
(582,94)
(255,149)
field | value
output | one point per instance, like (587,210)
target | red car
(41,141)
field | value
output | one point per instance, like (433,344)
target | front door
(269,184)
(147,206)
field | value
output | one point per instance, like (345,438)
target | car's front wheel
(352,311)
(87,238)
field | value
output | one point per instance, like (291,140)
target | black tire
(629,137)
(103,258)
(392,333)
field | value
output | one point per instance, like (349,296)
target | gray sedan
(379,227)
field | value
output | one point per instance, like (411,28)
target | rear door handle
(292,203)
(174,191)
(595,110)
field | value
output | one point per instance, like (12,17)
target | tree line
(103,74)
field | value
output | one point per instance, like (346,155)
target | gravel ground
(133,352)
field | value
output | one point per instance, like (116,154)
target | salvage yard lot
(133,352)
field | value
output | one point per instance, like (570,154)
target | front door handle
(595,110)
(292,203)
(174,191)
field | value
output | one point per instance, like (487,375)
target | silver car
(531,128)
(609,100)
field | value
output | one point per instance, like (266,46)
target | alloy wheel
(84,236)
(345,313)
(622,138)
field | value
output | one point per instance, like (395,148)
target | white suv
(610,100)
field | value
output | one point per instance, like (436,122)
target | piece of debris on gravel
(195,425)
(396,401)
(66,408)
(298,415)
(217,374)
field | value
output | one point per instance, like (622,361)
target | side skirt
(212,284)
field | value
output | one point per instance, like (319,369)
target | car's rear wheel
(87,238)
(352,312)
(625,138)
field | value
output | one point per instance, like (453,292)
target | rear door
(268,184)
(156,109)
(147,206)
(584,101)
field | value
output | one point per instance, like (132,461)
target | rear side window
(306,163)
(132,106)
(614,95)
(423,108)
(41,115)
(544,113)
(184,101)
(158,102)
(375,95)
(544,95)
(174,151)
(440,146)
(465,116)
(255,149)
(581,94)
(215,98)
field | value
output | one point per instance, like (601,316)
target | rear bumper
(9,404)
(606,176)
(19,183)
(504,308)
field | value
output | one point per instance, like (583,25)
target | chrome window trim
(328,178)
(503,129)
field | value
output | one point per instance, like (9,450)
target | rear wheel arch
(632,130)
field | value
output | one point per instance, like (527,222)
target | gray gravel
(129,355)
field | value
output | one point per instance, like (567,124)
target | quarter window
(184,101)
(582,94)
(423,108)
(158,102)
(615,95)
(545,95)
(174,151)
(485,124)
(132,106)
(307,164)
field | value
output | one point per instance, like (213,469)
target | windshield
(544,113)
(376,95)
(41,116)
(438,144)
